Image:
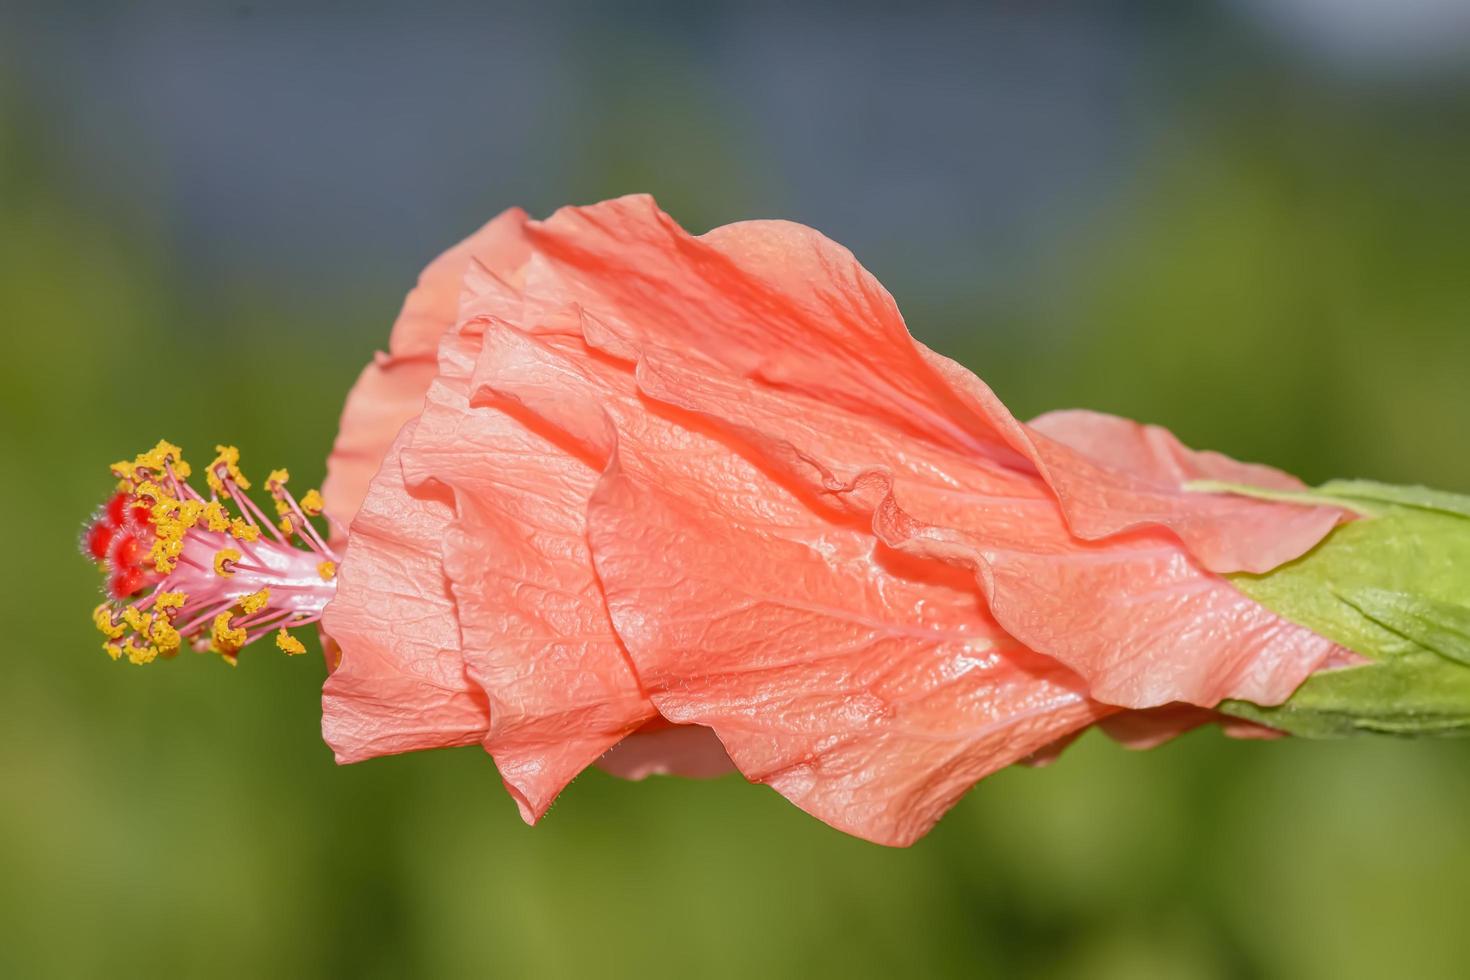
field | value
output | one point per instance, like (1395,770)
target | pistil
(213,572)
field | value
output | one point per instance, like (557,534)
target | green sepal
(1415,695)
(1394,587)
(1442,627)
(1422,498)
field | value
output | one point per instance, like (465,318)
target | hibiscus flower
(621,495)
(672,502)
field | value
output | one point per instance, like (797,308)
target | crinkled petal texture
(395,621)
(869,688)
(492,513)
(391,389)
(713,482)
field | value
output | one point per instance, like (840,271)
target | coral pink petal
(1153,452)
(713,482)
(780,305)
(1133,614)
(692,751)
(769,300)
(500,246)
(1242,729)
(869,688)
(1114,473)
(533,622)
(1148,728)
(1153,727)
(391,389)
(770,331)
(400,684)
(388,393)
(813,667)
(1050,752)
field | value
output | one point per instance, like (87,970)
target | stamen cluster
(213,572)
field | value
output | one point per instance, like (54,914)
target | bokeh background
(1247,220)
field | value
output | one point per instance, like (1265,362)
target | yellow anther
(282,508)
(150,491)
(164,637)
(243,530)
(228,463)
(169,529)
(289,643)
(216,518)
(157,459)
(277,479)
(135,619)
(255,601)
(110,627)
(123,470)
(312,503)
(139,653)
(327,570)
(165,554)
(226,639)
(114,650)
(170,600)
(224,557)
(286,525)
(190,512)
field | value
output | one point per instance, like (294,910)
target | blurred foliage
(1285,282)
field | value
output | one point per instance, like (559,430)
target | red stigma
(99,539)
(126,582)
(117,509)
(126,551)
(118,539)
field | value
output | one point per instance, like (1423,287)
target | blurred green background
(1247,221)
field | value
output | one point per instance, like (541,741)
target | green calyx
(1394,587)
